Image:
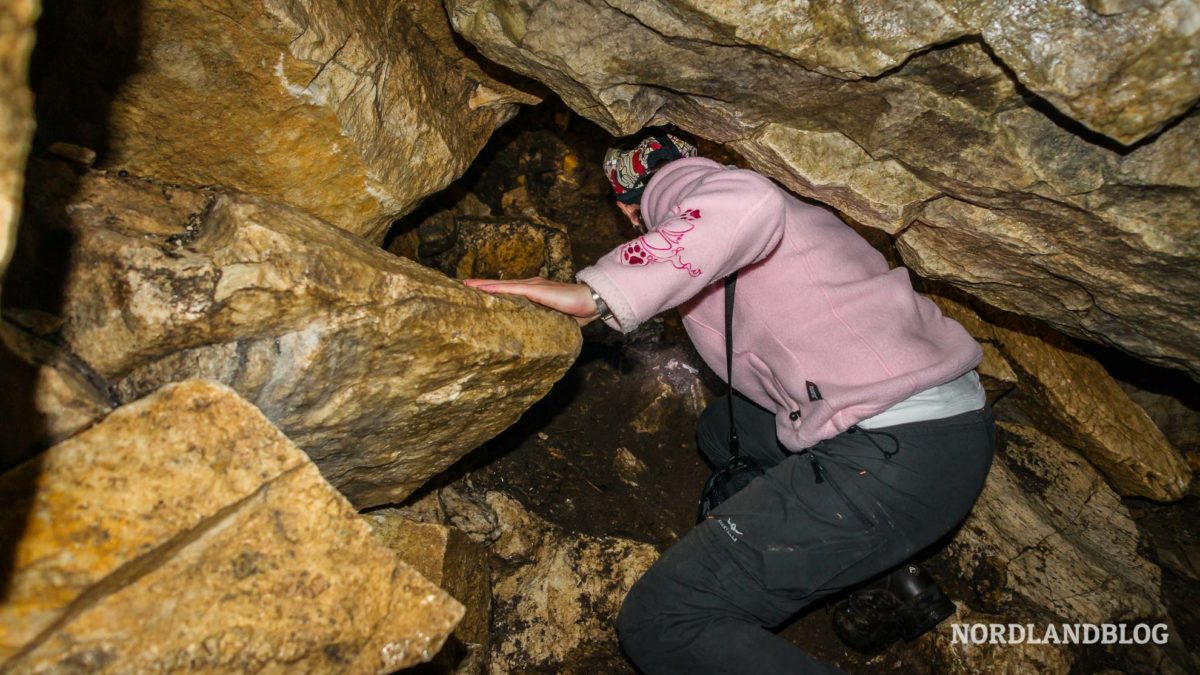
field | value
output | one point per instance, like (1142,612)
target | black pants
(789,538)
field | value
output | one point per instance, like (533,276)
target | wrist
(601,308)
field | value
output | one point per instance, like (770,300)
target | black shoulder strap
(730,287)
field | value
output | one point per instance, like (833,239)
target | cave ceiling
(1041,156)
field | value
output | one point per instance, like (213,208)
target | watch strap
(601,307)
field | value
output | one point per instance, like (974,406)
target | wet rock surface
(384,371)
(351,111)
(227,551)
(962,126)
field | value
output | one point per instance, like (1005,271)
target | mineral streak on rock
(384,371)
(16,115)
(185,531)
(353,111)
(1057,137)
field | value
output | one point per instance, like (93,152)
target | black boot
(905,603)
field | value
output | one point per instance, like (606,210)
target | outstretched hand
(572,299)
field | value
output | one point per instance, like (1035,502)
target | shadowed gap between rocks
(72,98)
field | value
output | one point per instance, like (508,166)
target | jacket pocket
(766,379)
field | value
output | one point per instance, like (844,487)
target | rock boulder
(1048,536)
(449,558)
(16,115)
(489,247)
(185,532)
(558,600)
(1071,396)
(352,111)
(384,371)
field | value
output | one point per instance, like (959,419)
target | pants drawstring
(868,433)
(815,454)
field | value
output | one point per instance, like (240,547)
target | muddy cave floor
(562,460)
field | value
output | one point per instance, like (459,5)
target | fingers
(541,291)
(569,298)
(489,284)
(506,287)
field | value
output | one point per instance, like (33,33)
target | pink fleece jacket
(816,304)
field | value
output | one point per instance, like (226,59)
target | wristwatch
(601,306)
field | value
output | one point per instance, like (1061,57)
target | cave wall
(353,111)
(1042,157)
(16,116)
(231,169)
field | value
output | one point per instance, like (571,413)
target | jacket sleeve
(727,220)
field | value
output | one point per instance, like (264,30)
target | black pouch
(727,481)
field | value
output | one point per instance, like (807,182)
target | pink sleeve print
(663,244)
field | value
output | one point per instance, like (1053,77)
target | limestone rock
(849,104)
(995,373)
(489,247)
(629,466)
(1073,397)
(184,531)
(1175,413)
(384,371)
(1049,534)
(447,557)
(353,111)
(16,115)
(1108,72)
(1173,534)
(562,596)
(556,594)
(668,382)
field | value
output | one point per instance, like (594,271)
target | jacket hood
(670,184)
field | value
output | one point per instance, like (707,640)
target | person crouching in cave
(854,395)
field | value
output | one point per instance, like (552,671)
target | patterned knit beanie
(630,165)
